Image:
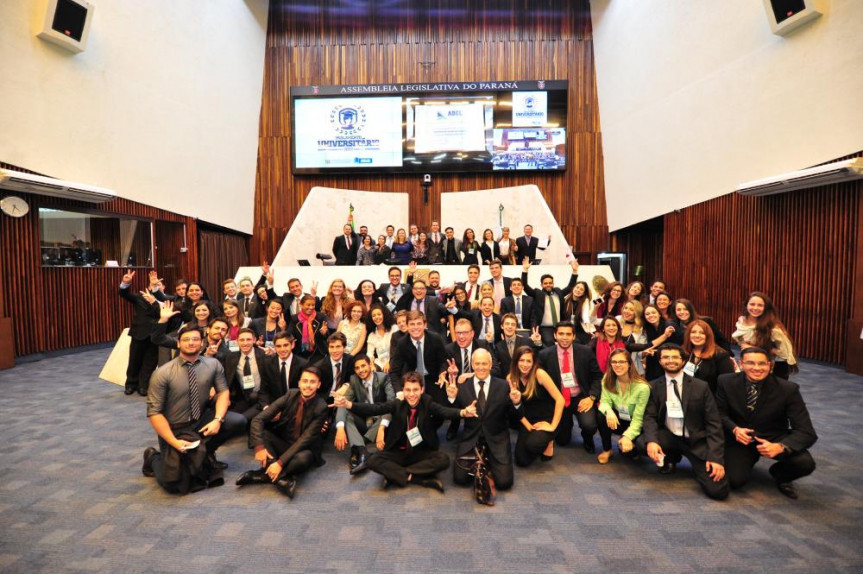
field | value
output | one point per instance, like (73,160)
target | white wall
(697,97)
(163,106)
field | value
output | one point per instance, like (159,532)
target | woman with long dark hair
(608,339)
(657,331)
(706,359)
(542,407)
(612,301)
(469,248)
(489,249)
(622,403)
(577,306)
(760,326)
(380,325)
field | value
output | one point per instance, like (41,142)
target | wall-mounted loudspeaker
(67,24)
(785,16)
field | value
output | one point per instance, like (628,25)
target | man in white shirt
(519,304)
(499,283)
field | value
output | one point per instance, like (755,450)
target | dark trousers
(675,447)
(531,444)
(547,334)
(143,356)
(740,459)
(605,432)
(501,472)
(299,463)
(586,422)
(396,465)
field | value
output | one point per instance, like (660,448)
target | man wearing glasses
(764,415)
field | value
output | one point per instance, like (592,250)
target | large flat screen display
(455,127)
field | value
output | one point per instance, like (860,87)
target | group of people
(378,370)
(433,247)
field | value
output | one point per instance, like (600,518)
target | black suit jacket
(585,367)
(504,359)
(492,424)
(232,362)
(396,434)
(487,253)
(477,320)
(314,416)
(403,359)
(435,311)
(273,386)
(327,375)
(507,283)
(146,315)
(383,292)
(320,340)
(453,351)
(540,298)
(507,305)
(780,414)
(526,248)
(700,417)
(345,255)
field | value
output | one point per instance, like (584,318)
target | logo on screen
(348,120)
(529,103)
(541,84)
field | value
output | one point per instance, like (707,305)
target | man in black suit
(505,347)
(293,295)
(410,453)
(418,300)
(336,367)
(251,305)
(345,247)
(406,357)
(390,293)
(527,245)
(574,370)
(287,436)
(451,248)
(764,415)
(282,370)
(143,354)
(681,420)
(548,301)
(486,323)
(500,284)
(367,387)
(247,375)
(435,244)
(496,408)
(519,304)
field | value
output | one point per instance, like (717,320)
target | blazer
(584,365)
(780,414)
(507,305)
(296,329)
(259,326)
(435,251)
(232,363)
(274,386)
(477,320)
(540,298)
(383,292)
(504,359)
(255,308)
(489,253)
(427,410)
(343,254)
(403,359)
(435,311)
(493,422)
(507,283)
(382,390)
(314,416)
(146,315)
(700,418)
(526,248)
(456,247)
(453,351)
(327,375)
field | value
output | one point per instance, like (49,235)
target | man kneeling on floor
(410,454)
(287,435)
(189,430)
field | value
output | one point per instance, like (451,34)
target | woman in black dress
(469,248)
(542,407)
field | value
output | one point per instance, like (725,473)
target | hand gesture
(341,439)
(489,336)
(154,280)
(669,331)
(210,351)
(128,276)
(314,290)
(514,394)
(470,411)
(742,435)
(611,420)
(412,267)
(654,451)
(265,268)
(274,470)
(262,456)
(167,311)
(260,341)
(451,367)
(716,470)
(340,402)
(574,265)
(463,377)
(768,449)
(324,328)
(535,336)
(450,304)
(451,387)
(282,323)
(148,297)
(525,266)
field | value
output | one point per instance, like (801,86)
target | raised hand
(451,367)
(514,394)
(525,266)
(282,323)
(451,387)
(128,276)
(470,411)
(535,336)
(167,311)
(574,265)
(324,328)
(148,297)
(412,267)
(314,290)
(265,268)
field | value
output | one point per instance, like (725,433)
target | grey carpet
(72,498)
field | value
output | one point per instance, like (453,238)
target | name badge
(623,413)
(248,382)
(233,346)
(689,369)
(269,345)
(674,408)
(471,251)
(568,380)
(414,436)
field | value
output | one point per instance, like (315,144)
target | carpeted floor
(72,498)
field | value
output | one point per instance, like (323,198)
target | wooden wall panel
(221,254)
(797,247)
(57,308)
(316,43)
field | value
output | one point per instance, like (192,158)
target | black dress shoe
(546,457)
(147,469)
(354,460)
(286,485)
(362,464)
(142,392)
(216,464)
(432,483)
(130,389)
(216,482)
(589,447)
(787,488)
(667,468)
(253,477)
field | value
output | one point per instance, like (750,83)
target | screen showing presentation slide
(449,127)
(532,149)
(348,132)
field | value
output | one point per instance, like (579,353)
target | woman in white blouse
(380,325)
(760,326)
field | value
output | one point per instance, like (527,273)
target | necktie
(393,295)
(247,366)
(518,310)
(553,303)
(348,241)
(465,362)
(488,327)
(369,391)
(194,400)
(412,421)
(677,392)
(470,292)
(338,376)
(284,375)
(751,396)
(480,398)
(298,420)
(421,368)
(567,398)
(510,344)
